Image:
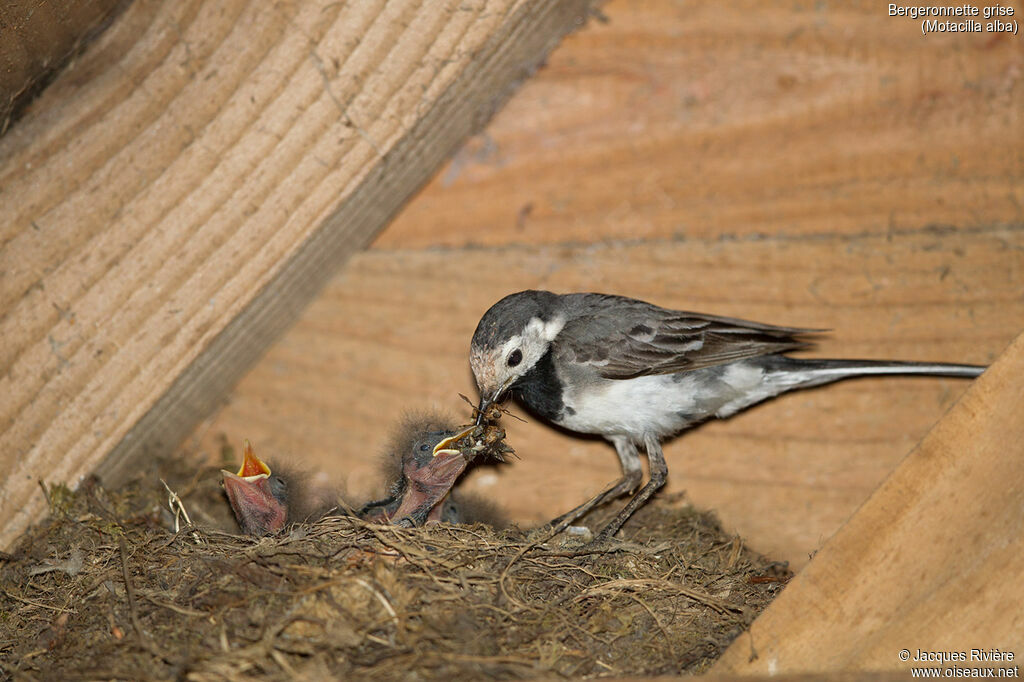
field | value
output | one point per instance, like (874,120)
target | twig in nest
(382,598)
(622,585)
(285,665)
(37,604)
(504,574)
(471,658)
(378,594)
(49,502)
(178,509)
(130,591)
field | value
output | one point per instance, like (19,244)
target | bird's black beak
(488,399)
(485,403)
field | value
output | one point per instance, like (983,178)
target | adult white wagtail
(636,373)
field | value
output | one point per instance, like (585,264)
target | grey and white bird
(636,373)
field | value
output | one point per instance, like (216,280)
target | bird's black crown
(510,315)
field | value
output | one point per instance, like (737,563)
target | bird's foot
(570,535)
(605,536)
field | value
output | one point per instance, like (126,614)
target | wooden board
(740,119)
(930,562)
(813,164)
(178,196)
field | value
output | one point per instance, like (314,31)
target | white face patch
(545,330)
(493,371)
(533,342)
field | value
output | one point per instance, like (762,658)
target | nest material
(103,589)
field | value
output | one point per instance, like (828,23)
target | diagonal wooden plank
(186,188)
(931,561)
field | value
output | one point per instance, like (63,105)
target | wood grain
(931,561)
(182,192)
(741,118)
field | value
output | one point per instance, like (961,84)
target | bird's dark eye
(278,487)
(424,447)
(515,358)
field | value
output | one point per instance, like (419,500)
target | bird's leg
(632,474)
(383,504)
(659,472)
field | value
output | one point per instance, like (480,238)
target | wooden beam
(931,561)
(737,119)
(181,193)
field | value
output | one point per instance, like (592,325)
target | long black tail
(806,372)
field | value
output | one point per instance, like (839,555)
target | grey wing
(624,338)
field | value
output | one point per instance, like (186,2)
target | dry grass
(106,589)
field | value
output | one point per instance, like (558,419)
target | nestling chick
(421,466)
(264,500)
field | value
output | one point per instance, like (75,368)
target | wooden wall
(175,199)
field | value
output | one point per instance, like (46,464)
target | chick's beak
(445,446)
(257,510)
(251,464)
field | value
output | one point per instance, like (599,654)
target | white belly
(651,404)
(663,405)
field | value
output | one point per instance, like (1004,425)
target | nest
(106,588)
